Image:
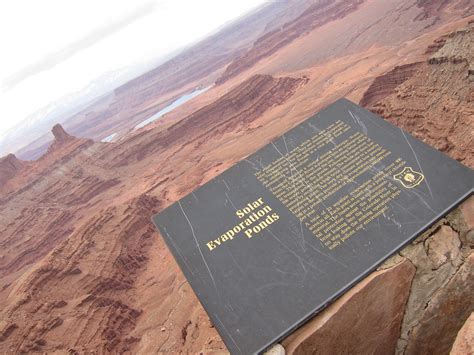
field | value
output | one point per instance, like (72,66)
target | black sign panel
(277,237)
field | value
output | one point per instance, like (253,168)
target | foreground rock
(366,320)
(464,343)
(444,313)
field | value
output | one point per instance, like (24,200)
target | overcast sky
(50,48)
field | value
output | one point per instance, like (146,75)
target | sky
(52,48)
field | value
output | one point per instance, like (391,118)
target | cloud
(51,60)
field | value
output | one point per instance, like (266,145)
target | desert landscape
(82,268)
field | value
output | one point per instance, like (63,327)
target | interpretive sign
(277,237)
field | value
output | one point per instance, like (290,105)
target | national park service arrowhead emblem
(409,178)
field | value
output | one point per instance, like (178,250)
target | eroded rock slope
(434,99)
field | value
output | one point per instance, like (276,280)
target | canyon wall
(83,270)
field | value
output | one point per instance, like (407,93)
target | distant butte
(60,135)
(9,166)
(15,173)
(65,143)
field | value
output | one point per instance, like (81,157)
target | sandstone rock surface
(365,320)
(443,246)
(444,314)
(467,210)
(464,343)
(277,349)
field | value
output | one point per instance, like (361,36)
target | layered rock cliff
(433,100)
(432,8)
(92,283)
(237,108)
(315,16)
(384,85)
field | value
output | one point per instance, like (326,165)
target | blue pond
(171,107)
